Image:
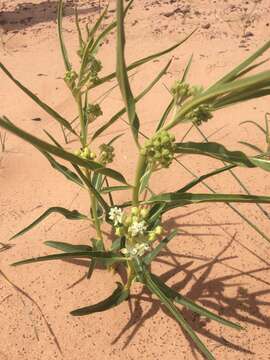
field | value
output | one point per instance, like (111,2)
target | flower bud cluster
(106,155)
(133,227)
(86,153)
(159,150)
(70,78)
(201,114)
(181,90)
(94,69)
(93,111)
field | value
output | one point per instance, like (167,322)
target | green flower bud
(158,230)
(152,236)
(119,231)
(144,213)
(134,210)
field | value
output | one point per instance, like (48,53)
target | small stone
(206,26)
(248,34)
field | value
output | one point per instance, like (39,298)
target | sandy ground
(218,260)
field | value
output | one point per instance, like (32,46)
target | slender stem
(83,127)
(139,173)
(130,275)
(92,197)
(95,216)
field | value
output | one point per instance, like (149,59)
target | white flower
(142,248)
(116,215)
(137,228)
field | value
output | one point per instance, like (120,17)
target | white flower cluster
(116,215)
(133,228)
(138,249)
(137,228)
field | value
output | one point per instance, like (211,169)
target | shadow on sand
(29,14)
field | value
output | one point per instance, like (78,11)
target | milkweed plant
(137,225)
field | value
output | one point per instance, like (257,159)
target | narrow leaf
(177,315)
(43,145)
(71,215)
(137,98)
(146,59)
(118,296)
(36,99)
(73,254)
(60,34)
(66,247)
(182,199)
(182,300)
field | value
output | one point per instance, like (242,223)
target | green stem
(139,172)
(95,216)
(81,116)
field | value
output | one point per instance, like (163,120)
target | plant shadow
(245,306)
(28,14)
(200,284)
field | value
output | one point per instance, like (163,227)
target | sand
(218,260)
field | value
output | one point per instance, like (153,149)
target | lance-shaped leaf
(70,175)
(43,145)
(171,104)
(256,82)
(71,215)
(66,247)
(136,99)
(60,35)
(166,301)
(108,29)
(119,295)
(37,100)
(163,243)
(144,60)
(122,75)
(73,254)
(191,305)
(251,146)
(110,189)
(181,199)
(240,68)
(219,152)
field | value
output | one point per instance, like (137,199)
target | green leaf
(70,175)
(60,35)
(154,253)
(146,59)
(182,300)
(108,29)
(66,247)
(181,199)
(71,215)
(177,315)
(233,74)
(201,178)
(118,296)
(232,99)
(36,99)
(251,146)
(110,189)
(214,150)
(255,82)
(145,179)
(255,124)
(122,75)
(44,146)
(73,254)
(137,98)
